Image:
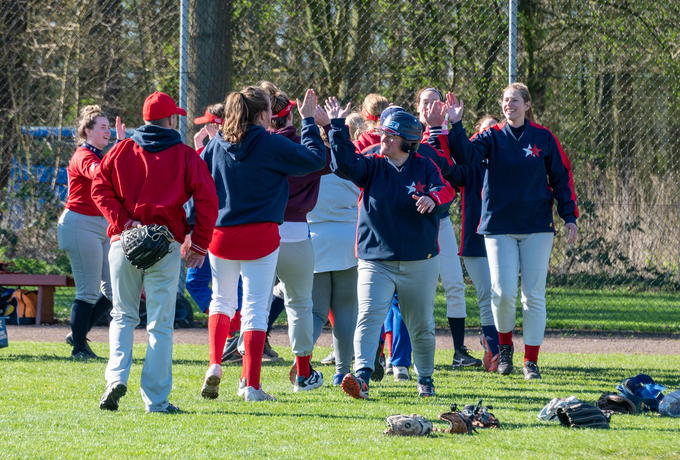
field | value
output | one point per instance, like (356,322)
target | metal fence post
(512,41)
(183,49)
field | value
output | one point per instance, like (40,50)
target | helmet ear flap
(409,147)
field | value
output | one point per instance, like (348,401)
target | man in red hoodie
(146,180)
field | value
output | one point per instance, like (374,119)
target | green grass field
(48,409)
(568,308)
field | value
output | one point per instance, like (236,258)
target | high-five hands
(435,113)
(335,110)
(454,108)
(308,107)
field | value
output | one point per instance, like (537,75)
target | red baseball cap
(208,118)
(160,105)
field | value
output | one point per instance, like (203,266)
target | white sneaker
(401,374)
(251,394)
(211,385)
(241,387)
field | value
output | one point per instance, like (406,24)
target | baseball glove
(583,415)
(146,245)
(408,425)
(616,403)
(458,423)
(483,418)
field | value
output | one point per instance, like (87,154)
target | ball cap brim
(208,118)
(159,105)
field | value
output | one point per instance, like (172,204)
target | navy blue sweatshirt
(390,226)
(250,177)
(471,242)
(521,179)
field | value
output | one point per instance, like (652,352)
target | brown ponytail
(87,120)
(356,124)
(374,104)
(241,111)
(279,101)
(526,97)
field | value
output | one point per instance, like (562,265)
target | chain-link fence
(604,77)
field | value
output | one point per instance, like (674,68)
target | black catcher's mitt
(146,245)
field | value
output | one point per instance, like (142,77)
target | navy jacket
(250,177)
(390,226)
(522,177)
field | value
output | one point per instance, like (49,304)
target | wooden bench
(45,284)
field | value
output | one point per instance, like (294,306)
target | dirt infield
(553,343)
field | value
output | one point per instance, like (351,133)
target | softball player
(431,114)
(474,253)
(525,162)
(403,194)
(81,230)
(250,167)
(295,265)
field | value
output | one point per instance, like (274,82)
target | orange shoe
(487,360)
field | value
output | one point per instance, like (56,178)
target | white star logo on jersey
(411,188)
(532,151)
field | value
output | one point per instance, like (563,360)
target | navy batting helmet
(403,124)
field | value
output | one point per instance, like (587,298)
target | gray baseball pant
(336,291)
(508,256)
(160,283)
(478,269)
(295,269)
(415,283)
(451,271)
(85,241)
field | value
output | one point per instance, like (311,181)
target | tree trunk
(210,63)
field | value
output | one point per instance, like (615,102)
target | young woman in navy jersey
(81,230)
(474,253)
(402,194)
(250,166)
(430,102)
(527,170)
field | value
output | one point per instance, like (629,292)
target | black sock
(457,326)
(81,312)
(275,311)
(102,307)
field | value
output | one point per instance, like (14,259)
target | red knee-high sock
(388,342)
(531,353)
(235,324)
(303,369)
(253,341)
(505,338)
(218,329)
(330,318)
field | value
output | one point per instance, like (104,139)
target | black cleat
(531,371)
(112,395)
(505,353)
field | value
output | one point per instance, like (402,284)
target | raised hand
(307,108)
(335,110)
(434,114)
(321,117)
(454,108)
(120,130)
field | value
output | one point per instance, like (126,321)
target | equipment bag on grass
(582,415)
(25,305)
